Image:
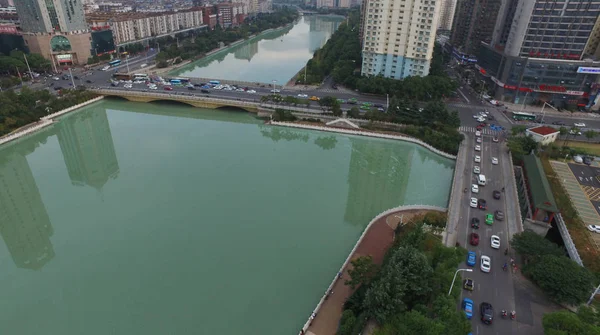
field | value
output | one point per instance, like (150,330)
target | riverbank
(43,122)
(169,70)
(375,240)
(363,132)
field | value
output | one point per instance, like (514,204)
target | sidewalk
(375,243)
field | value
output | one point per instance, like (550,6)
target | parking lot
(581,185)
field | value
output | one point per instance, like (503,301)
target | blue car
(467,306)
(471,258)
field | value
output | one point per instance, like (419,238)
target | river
(272,56)
(133,218)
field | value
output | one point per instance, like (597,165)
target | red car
(474,239)
(168,88)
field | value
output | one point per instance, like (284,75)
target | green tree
(362,271)
(561,278)
(347,323)
(327,101)
(518,130)
(567,323)
(336,109)
(412,322)
(533,246)
(589,134)
(353,112)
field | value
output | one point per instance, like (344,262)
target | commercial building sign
(64,58)
(8,29)
(592,70)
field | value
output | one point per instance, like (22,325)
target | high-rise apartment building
(538,52)
(447,9)
(398,37)
(474,22)
(56,29)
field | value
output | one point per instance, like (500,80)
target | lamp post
(593,295)
(543,113)
(274,85)
(127,62)
(387,102)
(524,100)
(72,80)
(457,271)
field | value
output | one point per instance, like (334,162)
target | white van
(481,180)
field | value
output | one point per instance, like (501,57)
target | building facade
(538,53)
(474,22)
(398,37)
(447,9)
(55,29)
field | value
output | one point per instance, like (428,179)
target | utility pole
(53,64)
(72,80)
(127,62)
(457,271)
(305,73)
(28,68)
(387,100)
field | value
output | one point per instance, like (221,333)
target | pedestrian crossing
(485,131)
(462,105)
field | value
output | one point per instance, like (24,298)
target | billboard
(8,29)
(102,42)
(592,70)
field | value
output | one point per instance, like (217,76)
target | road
(495,287)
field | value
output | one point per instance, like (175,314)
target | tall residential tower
(56,29)
(398,37)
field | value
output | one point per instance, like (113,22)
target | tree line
(198,45)
(27,106)
(408,293)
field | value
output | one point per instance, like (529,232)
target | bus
(115,62)
(175,82)
(520,116)
(140,76)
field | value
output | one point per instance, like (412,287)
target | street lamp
(451,286)
(543,113)
(274,85)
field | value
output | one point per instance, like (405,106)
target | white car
(476,169)
(128,86)
(495,241)
(475,116)
(486,264)
(106,68)
(474,188)
(473,202)
(153,87)
(478,147)
(479,140)
(302,95)
(495,160)
(579,124)
(251,91)
(477,159)
(275,90)
(594,228)
(477,133)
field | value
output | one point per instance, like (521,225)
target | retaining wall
(366,133)
(364,233)
(72,108)
(455,191)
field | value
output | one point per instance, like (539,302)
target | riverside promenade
(375,241)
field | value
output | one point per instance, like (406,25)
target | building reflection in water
(369,192)
(247,51)
(24,223)
(88,149)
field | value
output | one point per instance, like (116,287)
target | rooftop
(541,194)
(543,130)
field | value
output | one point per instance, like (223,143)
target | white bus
(140,76)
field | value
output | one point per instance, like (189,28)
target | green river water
(131,218)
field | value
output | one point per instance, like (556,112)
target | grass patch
(591,148)
(587,251)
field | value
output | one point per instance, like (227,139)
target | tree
(327,101)
(412,322)
(518,130)
(353,112)
(533,246)
(567,323)
(336,109)
(589,134)
(561,278)
(347,323)
(362,272)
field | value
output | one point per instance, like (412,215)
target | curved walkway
(375,241)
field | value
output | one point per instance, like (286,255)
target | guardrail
(569,244)
(362,236)
(72,108)
(366,133)
(516,195)
(453,211)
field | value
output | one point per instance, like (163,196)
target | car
(352,101)
(475,223)
(272,91)
(473,202)
(481,204)
(486,264)
(475,116)
(205,90)
(374,105)
(489,219)
(478,147)
(495,139)
(106,68)
(579,124)
(251,91)
(57,88)
(487,312)
(471,258)
(476,169)
(495,241)
(587,160)
(573,132)
(89,81)
(153,87)
(496,194)
(168,88)
(468,284)
(477,159)
(499,215)
(314,98)
(474,239)
(477,133)
(491,118)
(467,306)
(594,228)
(474,188)
(495,160)
(302,95)
(191,88)
(478,140)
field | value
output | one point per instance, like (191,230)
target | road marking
(463,95)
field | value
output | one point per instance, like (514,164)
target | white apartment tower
(398,37)
(447,9)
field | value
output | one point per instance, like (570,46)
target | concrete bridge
(193,100)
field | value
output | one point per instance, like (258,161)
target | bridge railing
(569,244)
